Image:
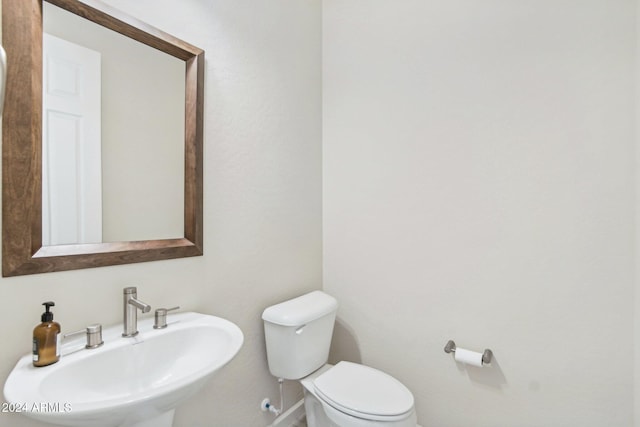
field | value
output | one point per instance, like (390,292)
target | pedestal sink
(128,382)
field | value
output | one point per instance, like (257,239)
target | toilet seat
(364,392)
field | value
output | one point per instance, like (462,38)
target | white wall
(478,186)
(262,202)
(636,307)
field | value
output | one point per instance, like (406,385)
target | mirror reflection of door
(142,134)
(71,156)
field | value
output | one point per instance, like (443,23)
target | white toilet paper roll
(469,357)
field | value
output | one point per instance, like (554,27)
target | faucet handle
(94,335)
(161,317)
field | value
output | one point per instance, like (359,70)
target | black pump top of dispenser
(47,316)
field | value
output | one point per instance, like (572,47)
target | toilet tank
(298,334)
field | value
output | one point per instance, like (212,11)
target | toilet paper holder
(487,355)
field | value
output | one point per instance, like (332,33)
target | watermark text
(60,407)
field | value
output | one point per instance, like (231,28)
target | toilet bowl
(353,395)
(298,336)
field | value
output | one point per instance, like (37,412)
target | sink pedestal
(163,420)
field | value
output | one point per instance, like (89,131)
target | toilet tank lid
(300,310)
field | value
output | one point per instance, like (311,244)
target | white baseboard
(291,417)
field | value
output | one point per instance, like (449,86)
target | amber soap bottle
(46,339)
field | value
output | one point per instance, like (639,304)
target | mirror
(124,237)
(110,103)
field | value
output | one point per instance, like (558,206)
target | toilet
(298,336)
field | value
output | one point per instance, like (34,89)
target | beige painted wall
(478,178)
(262,202)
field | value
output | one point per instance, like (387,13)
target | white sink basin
(128,381)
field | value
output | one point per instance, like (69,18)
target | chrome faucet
(131,306)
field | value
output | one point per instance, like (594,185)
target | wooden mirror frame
(22,250)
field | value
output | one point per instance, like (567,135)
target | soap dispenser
(46,339)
